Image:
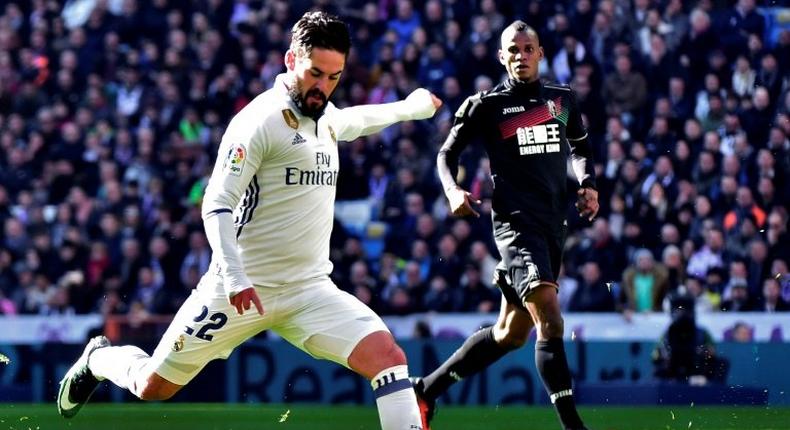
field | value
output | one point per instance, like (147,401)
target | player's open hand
(461,202)
(244,299)
(587,203)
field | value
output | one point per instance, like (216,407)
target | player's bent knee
(389,353)
(552,327)
(375,353)
(510,339)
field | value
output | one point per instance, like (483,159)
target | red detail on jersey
(532,117)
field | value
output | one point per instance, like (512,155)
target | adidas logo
(298,139)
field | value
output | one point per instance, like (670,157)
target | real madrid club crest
(290,119)
(178,345)
(332,134)
(552,108)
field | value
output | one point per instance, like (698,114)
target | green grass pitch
(184,416)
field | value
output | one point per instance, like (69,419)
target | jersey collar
(526,88)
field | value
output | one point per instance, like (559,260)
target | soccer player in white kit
(268,213)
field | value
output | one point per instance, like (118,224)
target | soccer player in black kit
(529,129)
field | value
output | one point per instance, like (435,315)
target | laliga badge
(290,119)
(234,161)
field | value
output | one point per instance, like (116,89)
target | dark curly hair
(319,30)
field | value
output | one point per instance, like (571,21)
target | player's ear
(540,49)
(290,60)
(501,56)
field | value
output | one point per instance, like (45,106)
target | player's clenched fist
(461,202)
(587,203)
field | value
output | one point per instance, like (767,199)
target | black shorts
(530,257)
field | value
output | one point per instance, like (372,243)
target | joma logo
(513,109)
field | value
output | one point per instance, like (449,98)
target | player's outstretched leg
(79,383)
(477,352)
(480,350)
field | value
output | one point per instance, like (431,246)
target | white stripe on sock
(563,393)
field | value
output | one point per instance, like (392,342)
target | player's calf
(154,387)
(396,400)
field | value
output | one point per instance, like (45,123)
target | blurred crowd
(111,113)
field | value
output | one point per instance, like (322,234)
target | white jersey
(276,172)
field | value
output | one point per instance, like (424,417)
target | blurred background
(111,113)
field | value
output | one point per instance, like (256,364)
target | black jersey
(529,131)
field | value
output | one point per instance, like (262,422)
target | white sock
(395,399)
(120,364)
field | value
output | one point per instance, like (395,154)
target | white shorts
(314,316)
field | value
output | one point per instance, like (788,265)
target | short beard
(295,91)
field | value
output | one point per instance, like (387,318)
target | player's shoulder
(268,105)
(265,111)
(555,86)
(499,90)
(557,89)
(470,105)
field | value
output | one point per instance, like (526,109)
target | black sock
(477,352)
(553,368)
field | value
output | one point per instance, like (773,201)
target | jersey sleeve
(575,130)
(581,153)
(240,155)
(364,120)
(465,129)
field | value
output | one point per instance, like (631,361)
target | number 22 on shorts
(217,319)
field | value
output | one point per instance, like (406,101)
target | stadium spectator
(710,255)
(743,77)
(592,294)
(741,332)
(645,283)
(705,301)
(772,300)
(739,300)
(474,294)
(624,91)
(439,296)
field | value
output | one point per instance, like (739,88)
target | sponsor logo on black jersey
(529,118)
(513,109)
